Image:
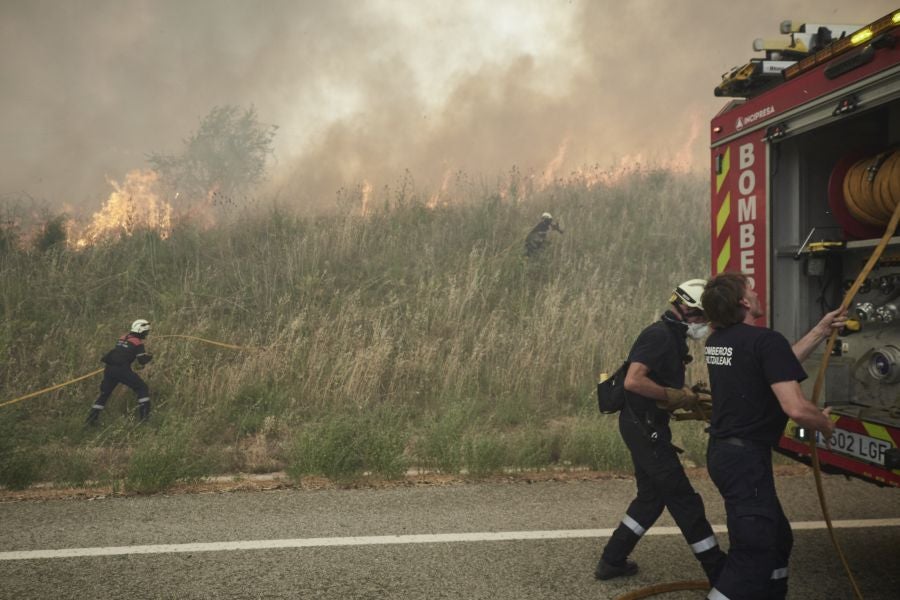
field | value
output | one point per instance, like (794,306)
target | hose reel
(863,191)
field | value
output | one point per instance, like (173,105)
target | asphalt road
(304,527)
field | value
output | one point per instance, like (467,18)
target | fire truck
(805,175)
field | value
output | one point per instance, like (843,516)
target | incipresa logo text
(753,117)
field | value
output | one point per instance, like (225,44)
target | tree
(224,158)
(52,234)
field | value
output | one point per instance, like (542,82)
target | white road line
(378,540)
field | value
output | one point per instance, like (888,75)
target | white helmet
(688,293)
(546,215)
(140,326)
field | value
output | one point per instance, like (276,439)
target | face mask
(697,331)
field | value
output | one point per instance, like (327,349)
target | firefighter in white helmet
(654,387)
(537,237)
(128,348)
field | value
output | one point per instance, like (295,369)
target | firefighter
(128,348)
(755,377)
(537,237)
(654,387)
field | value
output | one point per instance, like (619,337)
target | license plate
(862,447)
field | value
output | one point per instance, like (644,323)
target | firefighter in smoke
(128,348)
(654,388)
(537,237)
(755,376)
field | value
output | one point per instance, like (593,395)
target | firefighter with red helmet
(128,348)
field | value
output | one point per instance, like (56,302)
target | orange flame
(133,205)
(553,167)
(365,193)
(439,197)
(516,185)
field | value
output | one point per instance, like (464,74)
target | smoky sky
(371,90)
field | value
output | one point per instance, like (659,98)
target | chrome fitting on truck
(883,365)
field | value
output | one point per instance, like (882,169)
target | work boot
(92,417)
(606,570)
(144,411)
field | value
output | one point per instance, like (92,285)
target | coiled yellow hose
(872,187)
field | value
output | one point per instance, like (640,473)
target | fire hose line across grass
(98,371)
(672,586)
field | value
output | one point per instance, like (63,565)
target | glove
(688,416)
(684,398)
(144,358)
(701,412)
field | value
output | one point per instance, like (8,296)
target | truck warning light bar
(807,46)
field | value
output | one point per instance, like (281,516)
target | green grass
(594,442)
(163,458)
(347,446)
(411,337)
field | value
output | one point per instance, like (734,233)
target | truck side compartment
(805,172)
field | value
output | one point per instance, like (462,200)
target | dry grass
(428,322)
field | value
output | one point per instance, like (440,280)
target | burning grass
(408,336)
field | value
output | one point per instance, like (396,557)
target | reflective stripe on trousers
(715,594)
(633,526)
(704,544)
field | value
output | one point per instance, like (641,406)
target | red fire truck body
(782,158)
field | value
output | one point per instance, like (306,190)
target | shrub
(19,468)
(485,453)
(594,441)
(52,234)
(534,447)
(253,404)
(71,469)
(19,461)
(345,446)
(162,459)
(440,446)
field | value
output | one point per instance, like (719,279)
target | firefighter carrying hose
(654,387)
(537,237)
(128,348)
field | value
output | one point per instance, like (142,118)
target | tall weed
(163,458)
(594,441)
(347,446)
(414,335)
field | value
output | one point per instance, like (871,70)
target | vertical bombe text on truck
(805,175)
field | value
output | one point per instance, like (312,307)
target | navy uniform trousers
(661,483)
(759,533)
(113,375)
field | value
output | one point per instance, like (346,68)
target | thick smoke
(373,91)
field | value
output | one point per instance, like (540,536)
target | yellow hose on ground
(50,389)
(199,339)
(92,373)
